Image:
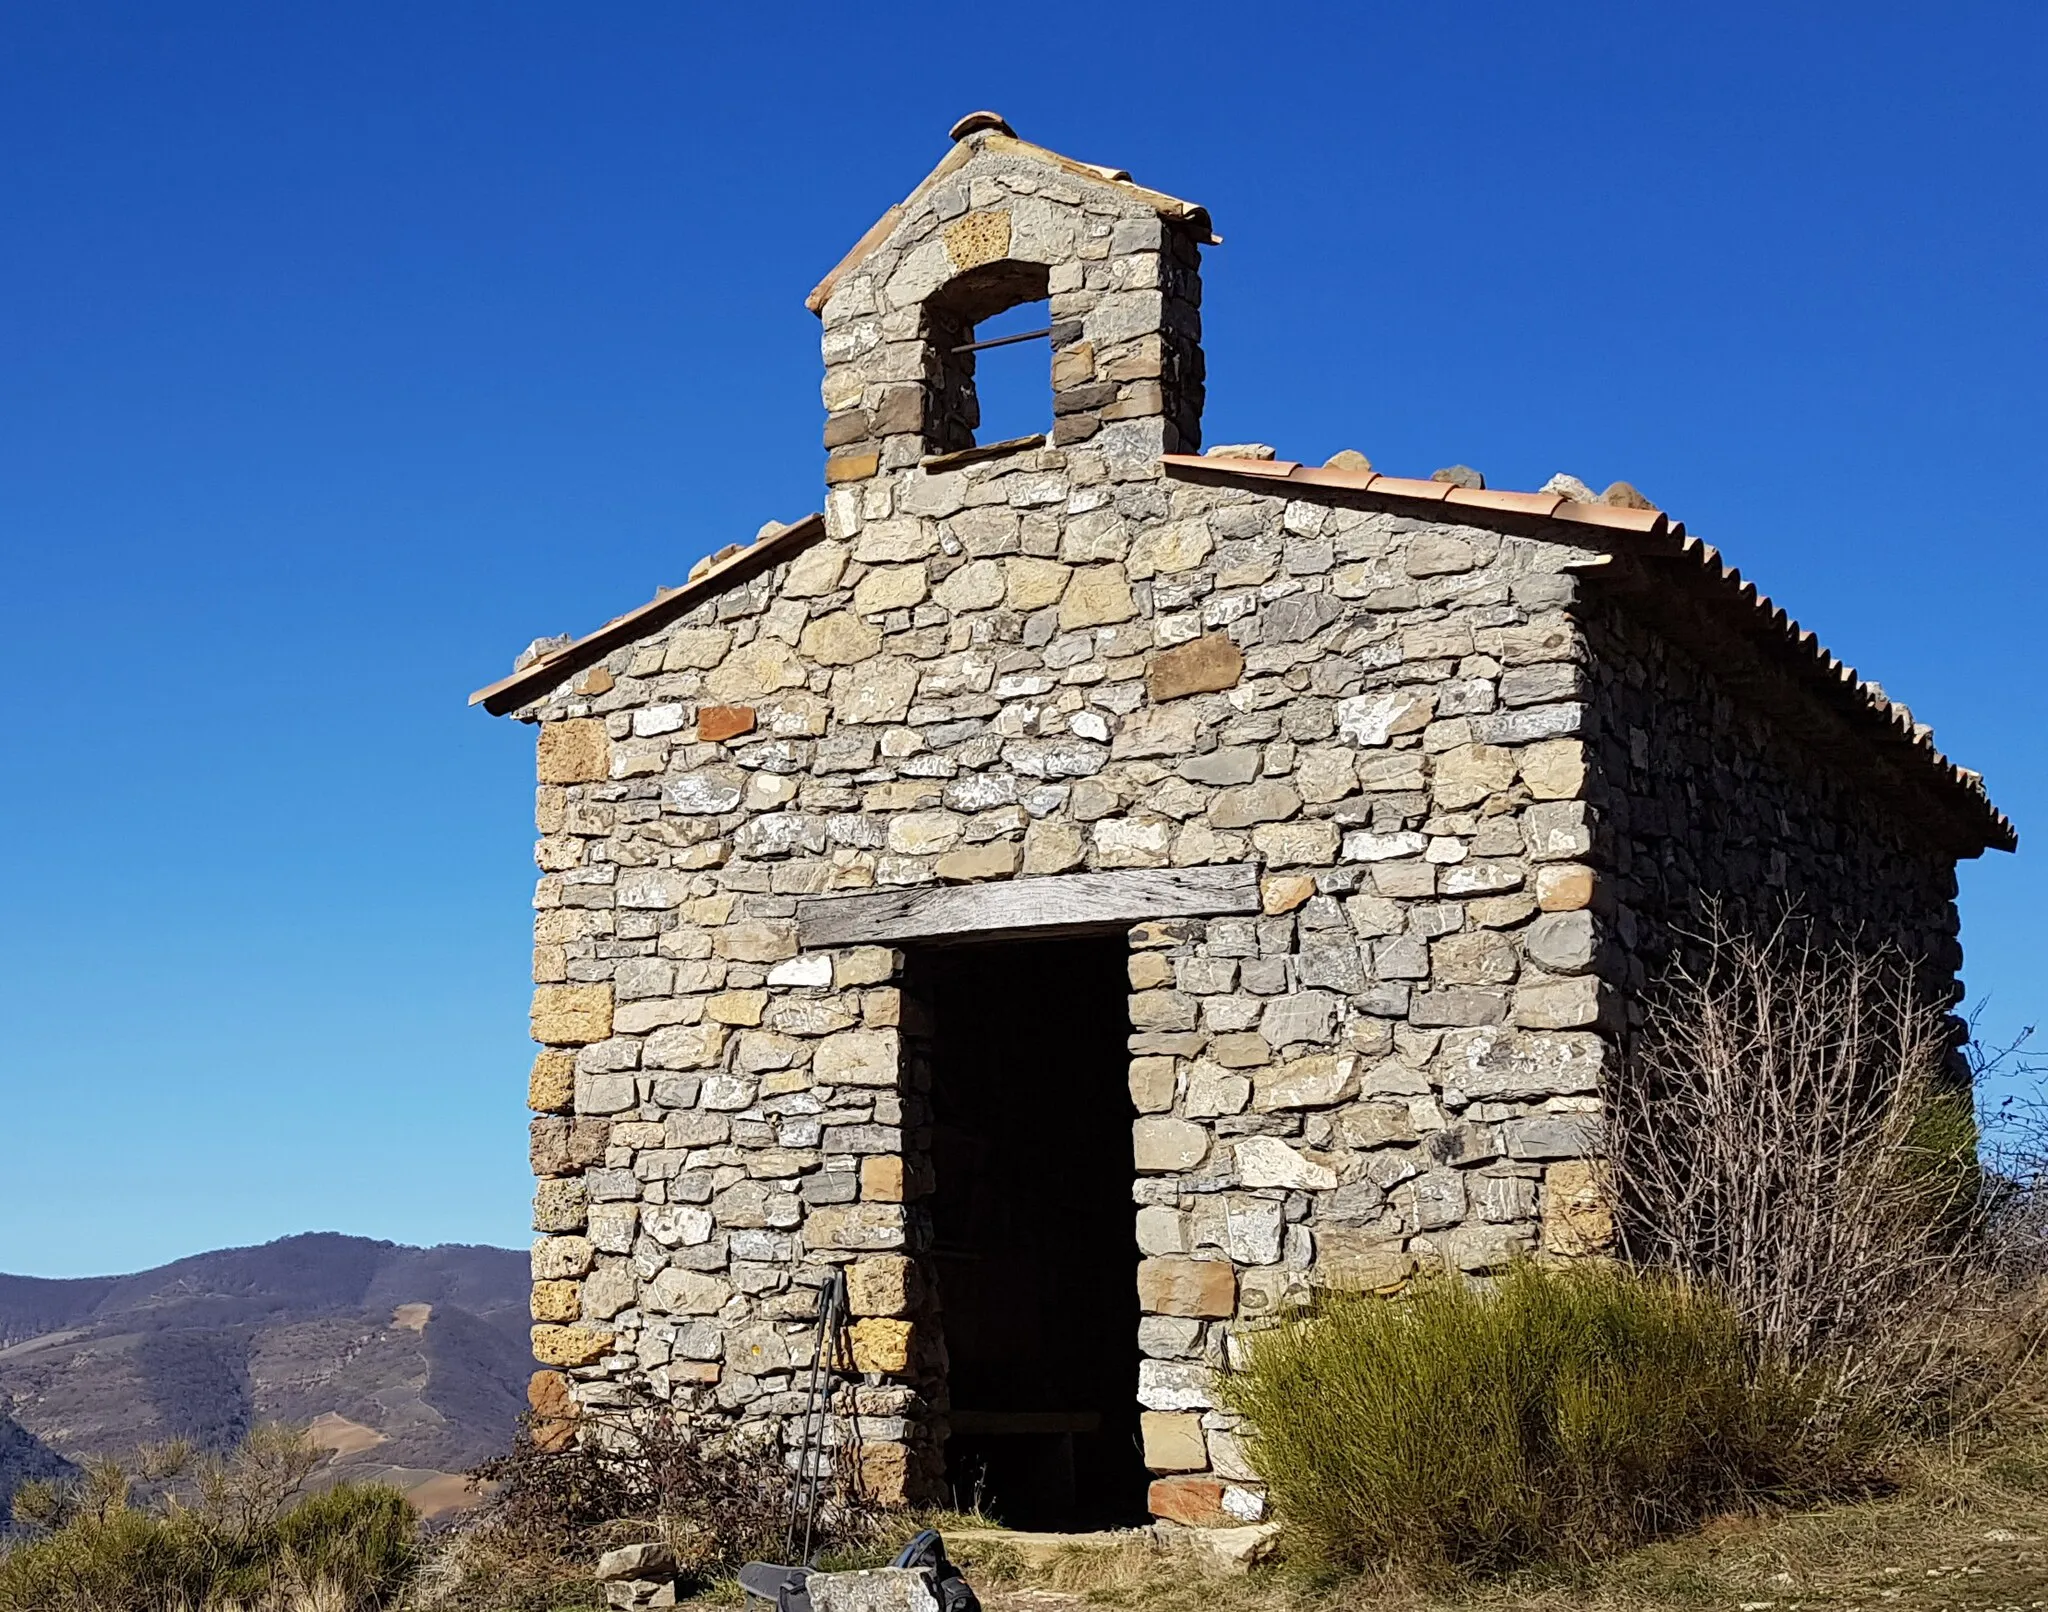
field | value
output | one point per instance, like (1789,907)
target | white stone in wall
(1172,1385)
(1266,1161)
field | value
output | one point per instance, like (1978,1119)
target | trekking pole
(805,1495)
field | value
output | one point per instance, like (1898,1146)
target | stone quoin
(1096,893)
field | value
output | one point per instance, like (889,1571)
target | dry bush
(2013,1142)
(220,1533)
(1792,1127)
(649,1473)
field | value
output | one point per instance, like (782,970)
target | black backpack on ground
(788,1588)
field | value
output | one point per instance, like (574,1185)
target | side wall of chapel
(1702,798)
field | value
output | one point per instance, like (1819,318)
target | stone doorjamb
(898,1334)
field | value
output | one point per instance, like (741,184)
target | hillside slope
(407,1363)
(24,1456)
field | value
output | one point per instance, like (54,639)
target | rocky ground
(1959,1535)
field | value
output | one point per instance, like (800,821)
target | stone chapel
(1098,892)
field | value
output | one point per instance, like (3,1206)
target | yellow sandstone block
(881,1179)
(882,1284)
(977,239)
(1097,596)
(1564,887)
(1173,1441)
(557,1301)
(569,1346)
(880,1344)
(1577,1220)
(572,1015)
(561,1204)
(885,1472)
(844,467)
(551,1087)
(737,1007)
(573,752)
(1148,970)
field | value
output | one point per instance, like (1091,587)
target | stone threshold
(1036,1549)
(1224,1549)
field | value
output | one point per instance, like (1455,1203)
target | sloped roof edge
(1190,214)
(1718,584)
(739,565)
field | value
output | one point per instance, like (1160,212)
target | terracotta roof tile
(1542,504)
(1717,582)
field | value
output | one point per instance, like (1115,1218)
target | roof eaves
(1801,647)
(739,565)
(882,228)
(877,233)
(1666,539)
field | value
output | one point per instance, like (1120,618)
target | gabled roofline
(736,566)
(1698,566)
(1189,215)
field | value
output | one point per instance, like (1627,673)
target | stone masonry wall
(1044,669)
(1699,797)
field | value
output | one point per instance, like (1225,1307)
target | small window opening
(983,388)
(1012,383)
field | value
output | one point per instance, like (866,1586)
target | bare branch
(1793,1127)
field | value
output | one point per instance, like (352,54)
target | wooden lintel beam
(1055,903)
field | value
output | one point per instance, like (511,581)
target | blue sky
(343,349)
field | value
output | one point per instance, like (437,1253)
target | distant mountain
(408,1364)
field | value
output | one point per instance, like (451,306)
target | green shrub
(356,1542)
(1940,1168)
(123,1561)
(1560,1414)
(238,1534)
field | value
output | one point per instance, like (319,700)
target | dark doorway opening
(1033,1250)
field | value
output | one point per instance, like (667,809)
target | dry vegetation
(1968,1535)
(182,1532)
(1818,1382)
(1793,1130)
(652,1475)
